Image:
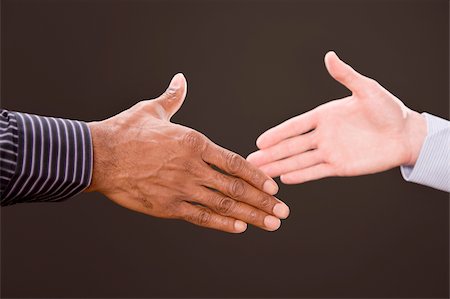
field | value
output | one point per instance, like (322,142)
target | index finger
(292,127)
(237,166)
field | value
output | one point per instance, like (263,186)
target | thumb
(344,74)
(172,99)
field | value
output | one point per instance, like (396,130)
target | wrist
(99,136)
(416,132)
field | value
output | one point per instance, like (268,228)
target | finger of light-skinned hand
(292,127)
(226,206)
(300,161)
(345,74)
(283,149)
(172,99)
(237,166)
(242,191)
(204,217)
(315,172)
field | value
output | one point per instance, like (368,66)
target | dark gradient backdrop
(250,65)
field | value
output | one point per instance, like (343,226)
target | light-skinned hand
(368,132)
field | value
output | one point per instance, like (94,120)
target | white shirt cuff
(432,167)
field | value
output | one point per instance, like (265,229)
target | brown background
(250,65)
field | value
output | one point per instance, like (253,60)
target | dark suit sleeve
(42,159)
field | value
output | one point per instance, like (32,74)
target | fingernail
(281,210)
(270,187)
(176,82)
(272,223)
(240,226)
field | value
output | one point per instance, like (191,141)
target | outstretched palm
(367,132)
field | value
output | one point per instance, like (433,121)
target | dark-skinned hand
(146,163)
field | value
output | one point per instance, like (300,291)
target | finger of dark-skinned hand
(237,166)
(205,217)
(229,207)
(240,190)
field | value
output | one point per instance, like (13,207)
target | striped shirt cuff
(9,141)
(432,167)
(54,160)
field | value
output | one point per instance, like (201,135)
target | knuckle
(170,94)
(213,178)
(235,163)
(265,202)
(203,217)
(173,210)
(257,178)
(225,206)
(253,215)
(236,188)
(194,141)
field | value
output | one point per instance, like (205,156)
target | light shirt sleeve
(432,167)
